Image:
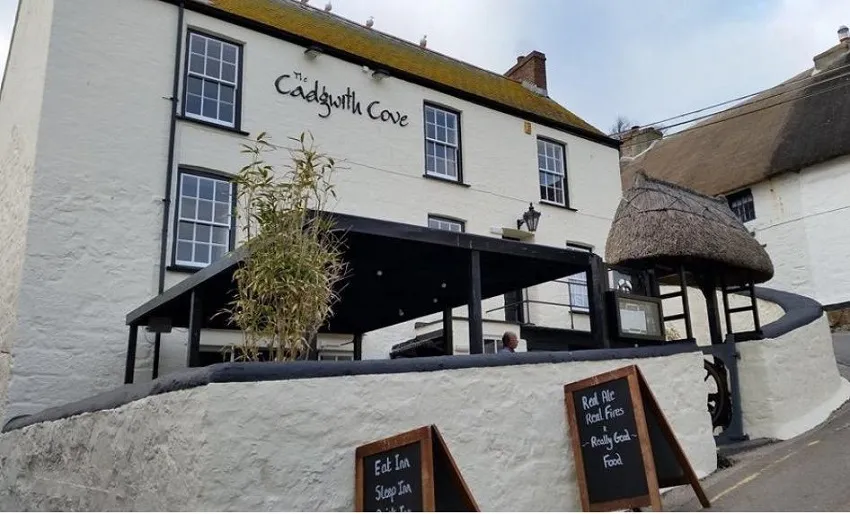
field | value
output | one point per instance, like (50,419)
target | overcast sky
(647,59)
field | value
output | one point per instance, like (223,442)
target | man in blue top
(509,342)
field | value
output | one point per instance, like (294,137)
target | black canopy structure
(397,272)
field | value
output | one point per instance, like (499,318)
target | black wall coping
(799,311)
(268,371)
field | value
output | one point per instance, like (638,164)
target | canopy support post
(196,315)
(448,331)
(597,284)
(476,325)
(358,347)
(155,367)
(709,290)
(130,365)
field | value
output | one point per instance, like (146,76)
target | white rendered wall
(504,425)
(790,384)
(93,230)
(19,124)
(804,218)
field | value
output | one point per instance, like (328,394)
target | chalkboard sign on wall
(410,472)
(624,449)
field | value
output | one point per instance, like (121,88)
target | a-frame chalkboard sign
(624,449)
(412,471)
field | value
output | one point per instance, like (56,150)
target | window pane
(190,186)
(202,253)
(210,108)
(451,120)
(184,251)
(229,54)
(441,134)
(430,149)
(202,233)
(214,49)
(222,210)
(196,63)
(186,231)
(430,163)
(228,72)
(225,112)
(226,94)
(187,208)
(441,118)
(210,90)
(430,116)
(219,235)
(198,44)
(205,210)
(222,191)
(217,252)
(441,167)
(195,86)
(206,188)
(193,104)
(451,137)
(213,68)
(430,130)
(441,151)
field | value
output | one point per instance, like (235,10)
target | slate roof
(359,41)
(799,123)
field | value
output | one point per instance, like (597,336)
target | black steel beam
(196,318)
(130,365)
(358,347)
(448,332)
(156,344)
(597,280)
(476,323)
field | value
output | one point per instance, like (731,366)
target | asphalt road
(808,473)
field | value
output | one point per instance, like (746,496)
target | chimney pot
(843,33)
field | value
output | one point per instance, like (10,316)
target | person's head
(509,340)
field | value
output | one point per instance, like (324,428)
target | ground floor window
(492,345)
(577,285)
(443,223)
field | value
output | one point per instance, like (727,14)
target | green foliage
(286,287)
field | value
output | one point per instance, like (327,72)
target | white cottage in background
(123,123)
(782,159)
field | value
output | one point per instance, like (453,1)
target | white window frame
(455,173)
(738,203)
(212,79)
(195,221)
(552,164)
(444,223)
(497,344)
(578,282)
(330,355)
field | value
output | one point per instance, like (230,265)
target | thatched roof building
(797,124)
(662,224)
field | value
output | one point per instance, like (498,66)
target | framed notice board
(624,449)
(411,471)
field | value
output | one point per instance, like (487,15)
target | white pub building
(121,127)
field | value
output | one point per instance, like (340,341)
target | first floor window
(577,285)
(204,219)
(552,171)
(212,80)
(442,143)
(742,205)
(449,224)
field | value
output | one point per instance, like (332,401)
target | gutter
(169,170)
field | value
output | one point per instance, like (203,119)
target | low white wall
(289,445)
(790,384)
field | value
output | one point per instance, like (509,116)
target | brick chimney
(530,71)
(638,140)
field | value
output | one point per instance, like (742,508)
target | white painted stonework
(804,219)
(227,447)
(81,218)
(790,384)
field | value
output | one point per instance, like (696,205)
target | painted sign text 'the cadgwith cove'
(293,85)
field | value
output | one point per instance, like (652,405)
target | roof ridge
(413,45)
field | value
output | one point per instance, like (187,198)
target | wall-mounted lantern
(380,74)
(530,218)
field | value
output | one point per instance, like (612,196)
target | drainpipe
(169,171)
